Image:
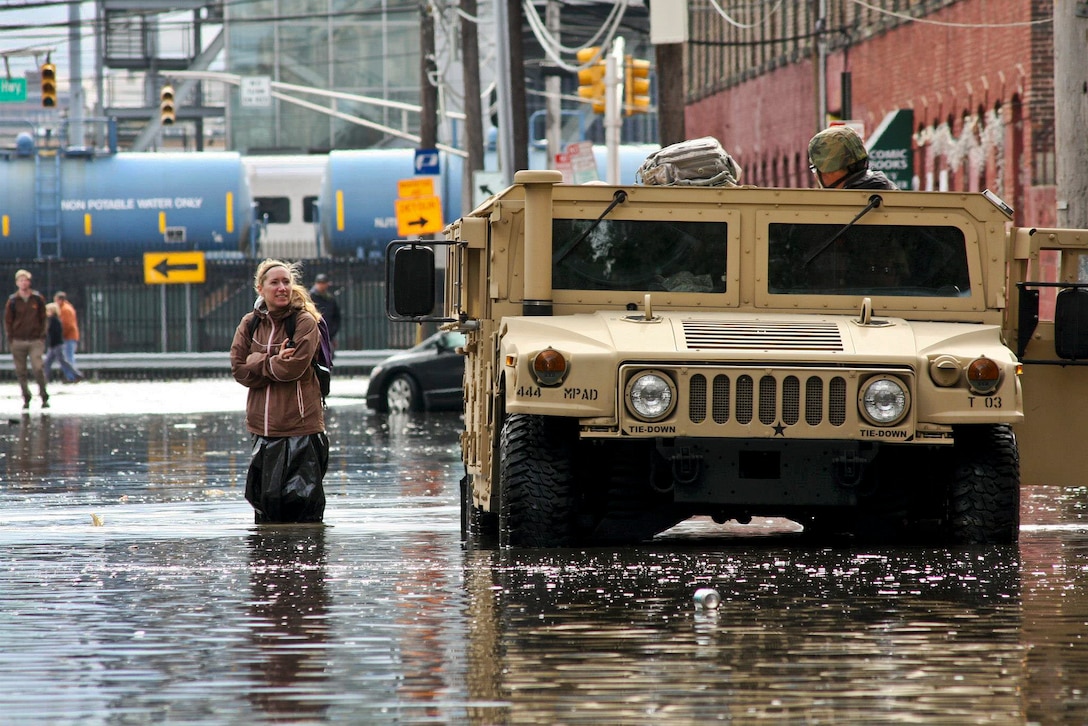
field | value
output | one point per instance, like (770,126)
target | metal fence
(120,313)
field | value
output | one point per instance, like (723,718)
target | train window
(308,204)
(277,209)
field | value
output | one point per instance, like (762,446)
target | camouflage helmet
(838,147)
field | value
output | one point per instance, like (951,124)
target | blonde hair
(300,296)
(23,273)
(52,309)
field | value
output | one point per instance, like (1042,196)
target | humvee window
(895,260)
(638,255)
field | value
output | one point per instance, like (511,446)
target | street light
(636,86)
(591,79)
(49,85)
(167,112)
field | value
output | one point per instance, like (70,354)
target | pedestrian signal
(591,78)
(49,85)
(636,85)
(167,112)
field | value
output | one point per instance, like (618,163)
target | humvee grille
(768,405)
(762,335)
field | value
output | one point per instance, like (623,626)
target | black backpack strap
(289,325)
(252,325)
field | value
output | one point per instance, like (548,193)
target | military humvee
(853,360)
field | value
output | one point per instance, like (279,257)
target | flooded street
(135,588)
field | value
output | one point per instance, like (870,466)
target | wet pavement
(135,589)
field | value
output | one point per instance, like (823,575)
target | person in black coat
(326,305)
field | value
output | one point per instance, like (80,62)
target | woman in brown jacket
(283,411)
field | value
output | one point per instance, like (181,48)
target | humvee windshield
(883,259)
(638,255)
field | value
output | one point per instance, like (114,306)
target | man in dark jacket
(326,304)
(838,158)
(24,325)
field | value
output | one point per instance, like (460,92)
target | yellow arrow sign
(162,268)
(419,216)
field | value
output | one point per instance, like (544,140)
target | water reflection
(289,627)
(801,636)
(177,609)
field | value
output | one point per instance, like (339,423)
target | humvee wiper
(618,198)
(874,202)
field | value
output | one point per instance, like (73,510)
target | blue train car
(123,205)
(357,204)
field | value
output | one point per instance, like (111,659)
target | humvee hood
(677,336)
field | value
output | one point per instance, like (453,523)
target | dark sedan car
(425,377)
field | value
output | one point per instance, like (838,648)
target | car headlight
(650,395)
(884,400)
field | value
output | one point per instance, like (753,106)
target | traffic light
(166,106)
(591,78)
(636,85)
(49,85)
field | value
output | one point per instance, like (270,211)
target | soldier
(839,160)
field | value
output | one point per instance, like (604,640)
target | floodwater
(134,589)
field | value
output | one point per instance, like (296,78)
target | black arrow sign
(164,268)
(486,190)
(421,222)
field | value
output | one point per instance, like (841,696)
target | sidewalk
(201,395)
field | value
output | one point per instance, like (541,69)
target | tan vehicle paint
(765,317)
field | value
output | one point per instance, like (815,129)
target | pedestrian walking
(69,323)
(54,345)
(284,414)
(326,305)
(24,326)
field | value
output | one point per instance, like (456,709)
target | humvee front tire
(536,482)
(984,499)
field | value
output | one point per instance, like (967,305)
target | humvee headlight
(549,367)
(650,395)
(884,401)
(983,375)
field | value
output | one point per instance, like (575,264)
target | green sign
(891,150)
(12,90)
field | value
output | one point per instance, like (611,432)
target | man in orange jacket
(69,324)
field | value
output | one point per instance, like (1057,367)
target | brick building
(978,75)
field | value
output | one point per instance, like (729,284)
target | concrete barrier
(353,362)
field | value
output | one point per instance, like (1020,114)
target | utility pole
(428,92)
(613,107)
(75,76)
(820,64)
(553,86)
(519,117)
(474,129)
(1071,111)
(670,93)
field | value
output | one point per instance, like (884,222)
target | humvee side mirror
(1071,323)
(412,281)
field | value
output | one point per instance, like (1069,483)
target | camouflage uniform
(839,147)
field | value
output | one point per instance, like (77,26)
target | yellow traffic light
(591,78)
(636,85)
(167,112)
(49,85)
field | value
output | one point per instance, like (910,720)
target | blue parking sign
(427,161)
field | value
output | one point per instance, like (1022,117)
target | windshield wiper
(874,202)
(618,198)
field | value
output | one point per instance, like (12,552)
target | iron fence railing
(120,313)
